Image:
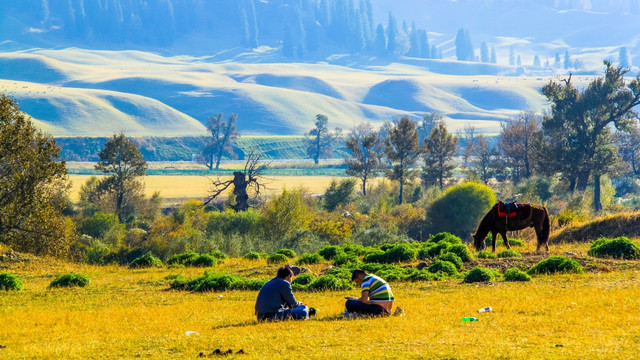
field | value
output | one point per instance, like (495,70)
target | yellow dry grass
(131,314)
(180,187)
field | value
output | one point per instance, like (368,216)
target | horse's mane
(485,224)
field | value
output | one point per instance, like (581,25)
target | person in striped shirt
(376,297)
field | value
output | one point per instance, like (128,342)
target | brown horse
(533,216)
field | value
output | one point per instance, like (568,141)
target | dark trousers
(358,307)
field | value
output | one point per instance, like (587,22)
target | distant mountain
(160,68)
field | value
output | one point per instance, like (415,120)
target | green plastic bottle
(469,319)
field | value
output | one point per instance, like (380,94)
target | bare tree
(365,145)
(249,178)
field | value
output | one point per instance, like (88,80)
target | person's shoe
(399,311)
(349,315)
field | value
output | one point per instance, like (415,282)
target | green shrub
(304,279)
(443,266)
(516,242)
(353,249)
(191,258)
(461,207)
(204,260)
(97,252)
(218,254)
(252,255)
(183,258)
(309,259)
(287,252)
(145,261)
(556,264)
(430,251)
(99,224)
(277,258)
(343,259)
(452,258)
(401,253)
(9,281)
(516,275)
(486,255)
(374,256)
(70,279)
(330,251)
(618,248)
(216,282)
(445,237)
(479,274)
(330,282)
(508,253)
(461,250)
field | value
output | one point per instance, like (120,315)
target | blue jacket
(275,295)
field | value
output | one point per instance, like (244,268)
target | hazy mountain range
(160,68)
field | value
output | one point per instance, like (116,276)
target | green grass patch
(556,264)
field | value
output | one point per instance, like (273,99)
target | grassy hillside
(74,92)
(612,226)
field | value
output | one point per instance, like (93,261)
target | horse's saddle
(514,210)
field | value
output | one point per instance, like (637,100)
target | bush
(556,264)
(99,224)
(508,253)
(443,266)
(343,259)
(70,279)
(618,248)
(330,251)
(277,258)
(461,250)
(516,275)
(183,258)
(9,281)
(204,260)
(252,256)
(486,255)
(97,252)
(145,261)
(287,252)
(461,207)
(216,282)
(400,253)
(330,282)
(479,274)
(516,242)
(218,254)
(445,237)
(353,249)
(303,279)
(452,258)
(309,259)
(430,251)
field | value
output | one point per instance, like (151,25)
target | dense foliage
(9,281)
(618,248)
(71,279)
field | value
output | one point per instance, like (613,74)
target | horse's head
(478,242)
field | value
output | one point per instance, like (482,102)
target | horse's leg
(505,239)
(538,237)
(493,238)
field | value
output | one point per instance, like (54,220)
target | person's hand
(349,297)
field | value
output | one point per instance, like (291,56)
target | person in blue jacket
(276,300)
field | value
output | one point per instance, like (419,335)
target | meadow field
(126,313)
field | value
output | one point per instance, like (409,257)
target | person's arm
(287,296)
(364,298)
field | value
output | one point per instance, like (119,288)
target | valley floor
(132,314)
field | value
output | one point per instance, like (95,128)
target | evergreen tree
(484,53)
(519,61)
(392,35)
(415,49)
(494,59)
(439,149)
(623,57)
(380,44)
(557,63)
(464,46)
(536,61)
(567,60)
(429,122)
(402,148)
(435,54)
(425,51)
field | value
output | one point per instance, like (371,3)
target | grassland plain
(127,313)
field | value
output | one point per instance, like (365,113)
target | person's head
(285,273)
(357,276)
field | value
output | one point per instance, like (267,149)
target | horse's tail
(545,225)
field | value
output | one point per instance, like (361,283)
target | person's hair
(284,272)
(357,273)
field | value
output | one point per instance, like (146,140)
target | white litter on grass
(219,296)
(189,333)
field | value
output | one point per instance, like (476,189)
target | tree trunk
(240,191)
(583,181)
(364,186)
(401,189)
(597,205)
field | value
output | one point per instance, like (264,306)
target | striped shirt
(379,290)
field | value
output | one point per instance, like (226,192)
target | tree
(567,59)
(392,36)
(249,178)
(484,52)
(464,46)
(402,148)
(629,148)
(380,42)
(364,145)
(338,193)
(517,137)
(32,182)
(429,122)
(623,57)
(439,149)
(122,161)
(485,162)
(578,140)
(320,139)
(222,137)
(536,61)
(494,58)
